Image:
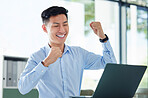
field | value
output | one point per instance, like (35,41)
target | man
(57,69)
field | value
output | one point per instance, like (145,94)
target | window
(137,2)
(134,34)
(137,38)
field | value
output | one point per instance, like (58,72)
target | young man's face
(57,29)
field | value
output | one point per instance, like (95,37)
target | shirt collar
(66,49)
(47,49)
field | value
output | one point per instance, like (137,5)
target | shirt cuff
(40,68)
(107,46)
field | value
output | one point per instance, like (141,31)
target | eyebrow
(65,22)
(58,23)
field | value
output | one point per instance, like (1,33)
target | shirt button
(42,71)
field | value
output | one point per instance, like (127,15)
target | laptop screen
(119,81)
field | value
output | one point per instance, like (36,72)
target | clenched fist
(53,55)
(97,28)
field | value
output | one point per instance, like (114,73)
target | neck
(61,46)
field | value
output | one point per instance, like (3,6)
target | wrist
(105,39)
(45,63)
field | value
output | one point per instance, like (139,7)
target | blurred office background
(21,34)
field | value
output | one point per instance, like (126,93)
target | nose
(62,30)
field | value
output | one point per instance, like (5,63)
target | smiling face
(57,29)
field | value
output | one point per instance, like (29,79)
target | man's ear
(44,28)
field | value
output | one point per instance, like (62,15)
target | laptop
(118,81)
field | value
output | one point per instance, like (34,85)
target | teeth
(60,35)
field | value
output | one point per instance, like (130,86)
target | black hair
(53,11)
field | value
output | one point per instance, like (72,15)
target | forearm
(29,79)
(108,54)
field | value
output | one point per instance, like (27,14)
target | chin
(60,43)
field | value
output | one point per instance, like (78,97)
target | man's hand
(97,28)
(53,55)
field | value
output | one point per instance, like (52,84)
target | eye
(56,26)
(65,24)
